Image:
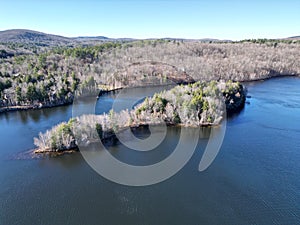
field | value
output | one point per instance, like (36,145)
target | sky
(220,19)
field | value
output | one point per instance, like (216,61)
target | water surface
(255,178)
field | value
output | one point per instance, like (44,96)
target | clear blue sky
(233,19)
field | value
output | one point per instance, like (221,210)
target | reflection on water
(155,155)
(255,178)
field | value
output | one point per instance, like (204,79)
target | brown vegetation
(50,77)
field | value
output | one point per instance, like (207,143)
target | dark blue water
(255,178)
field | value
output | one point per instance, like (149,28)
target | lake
(255,178)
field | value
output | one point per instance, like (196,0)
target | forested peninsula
(197,104)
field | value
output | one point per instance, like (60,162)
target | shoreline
(112,138)
(102,92)
(109,140)
(270,77)
(30,107)
(54,153)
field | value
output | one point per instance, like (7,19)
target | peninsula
(197,104)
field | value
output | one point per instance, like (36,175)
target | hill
(100,39)
(43,39)
(294,38)
(34,37)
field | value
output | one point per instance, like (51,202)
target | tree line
(37,75)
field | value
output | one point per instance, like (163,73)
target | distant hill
(101,39)
(43,39)
(201,40)
(34,37)
(294,38)
(90,38)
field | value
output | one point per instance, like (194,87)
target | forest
(40,76)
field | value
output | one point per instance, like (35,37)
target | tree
(8,84)
(42,94)
(18,94)
(42,61)
(31,93)
(1,86)
(99,130)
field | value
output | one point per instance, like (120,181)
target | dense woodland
(34,75)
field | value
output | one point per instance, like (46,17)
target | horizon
(230,20)
(148,38)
